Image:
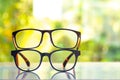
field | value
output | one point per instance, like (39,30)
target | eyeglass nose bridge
(46,31)
(45,54)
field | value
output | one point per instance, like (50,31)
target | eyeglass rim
(42,31)
(75,52)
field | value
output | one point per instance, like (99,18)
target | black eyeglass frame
(43,31)
(75,52)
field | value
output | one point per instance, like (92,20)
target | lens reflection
(27,76)
(63,76)
(56,76)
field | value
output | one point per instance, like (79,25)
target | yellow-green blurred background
(97,20)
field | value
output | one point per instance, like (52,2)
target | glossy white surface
(83,70)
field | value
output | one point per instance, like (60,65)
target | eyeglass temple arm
(25,59)
(67,59)
(78,45)
(64,64)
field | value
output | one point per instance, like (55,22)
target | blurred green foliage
(13,15)
(104,22)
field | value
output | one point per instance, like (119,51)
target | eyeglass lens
(64,38)
(28,38)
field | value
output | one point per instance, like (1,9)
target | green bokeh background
(97,20)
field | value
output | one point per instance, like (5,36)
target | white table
(83,70)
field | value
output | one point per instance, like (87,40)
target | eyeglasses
(60,60)
(32,38)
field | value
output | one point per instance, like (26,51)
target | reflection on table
(34,76)
(83,70)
